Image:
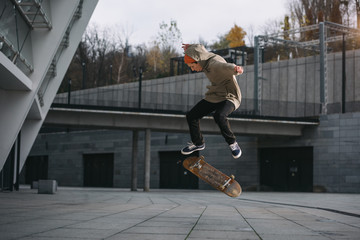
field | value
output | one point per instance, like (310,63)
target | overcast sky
(206,19)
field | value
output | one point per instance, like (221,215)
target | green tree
(221,43)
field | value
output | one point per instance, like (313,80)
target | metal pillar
(323,61)
(343,97)
(147,160)
(256,73)
(134,161)
(140,85)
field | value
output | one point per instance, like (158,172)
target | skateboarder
(223,96)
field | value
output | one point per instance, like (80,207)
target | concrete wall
(65,153)
(289,88)
(336,144)
(352,81)
(337,148)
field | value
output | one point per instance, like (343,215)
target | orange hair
(188,59)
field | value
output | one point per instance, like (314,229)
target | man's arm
(228,68)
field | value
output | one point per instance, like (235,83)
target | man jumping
(223,96)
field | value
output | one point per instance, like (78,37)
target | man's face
(195,67)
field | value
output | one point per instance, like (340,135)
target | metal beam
(312,44)
(341,28)
(34,13)
(309,45)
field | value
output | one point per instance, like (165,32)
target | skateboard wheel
(232,176)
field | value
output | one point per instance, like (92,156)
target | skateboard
(212,176)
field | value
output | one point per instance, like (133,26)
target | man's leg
(223,110)
(193,117)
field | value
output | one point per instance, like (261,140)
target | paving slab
(94,213)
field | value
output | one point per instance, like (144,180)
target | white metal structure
(38,39)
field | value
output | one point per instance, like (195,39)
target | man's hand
(239,69)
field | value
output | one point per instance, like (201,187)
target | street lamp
(111,73)
(69,90)
(83,72)
(140,83)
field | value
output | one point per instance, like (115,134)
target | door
(98,170)
(294,183)
(36,167)
(286,169)
(173,175)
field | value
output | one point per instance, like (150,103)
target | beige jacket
(220,74)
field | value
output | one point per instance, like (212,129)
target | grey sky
(195,18)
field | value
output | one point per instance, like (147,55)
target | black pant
(203,108)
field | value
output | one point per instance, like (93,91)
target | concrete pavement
(83,213)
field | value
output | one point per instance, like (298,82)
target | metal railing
(162,99)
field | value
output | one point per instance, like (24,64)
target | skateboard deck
(212,176)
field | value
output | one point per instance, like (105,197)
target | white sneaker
(235,150)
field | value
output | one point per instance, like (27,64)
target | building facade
(324,158)
(37,42)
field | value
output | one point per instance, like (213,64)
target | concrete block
(35,185)
(47,186)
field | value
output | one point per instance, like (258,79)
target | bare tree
(203,42)
(271,26)
(357,4)
(250,35)
(169,36)
(122,49)
(168,40)
(310,12)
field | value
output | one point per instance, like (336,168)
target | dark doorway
(286,169)
(36,167)
(98,170)
(173,175)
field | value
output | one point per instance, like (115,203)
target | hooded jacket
(220,74)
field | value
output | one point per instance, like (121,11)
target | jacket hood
(199,54)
